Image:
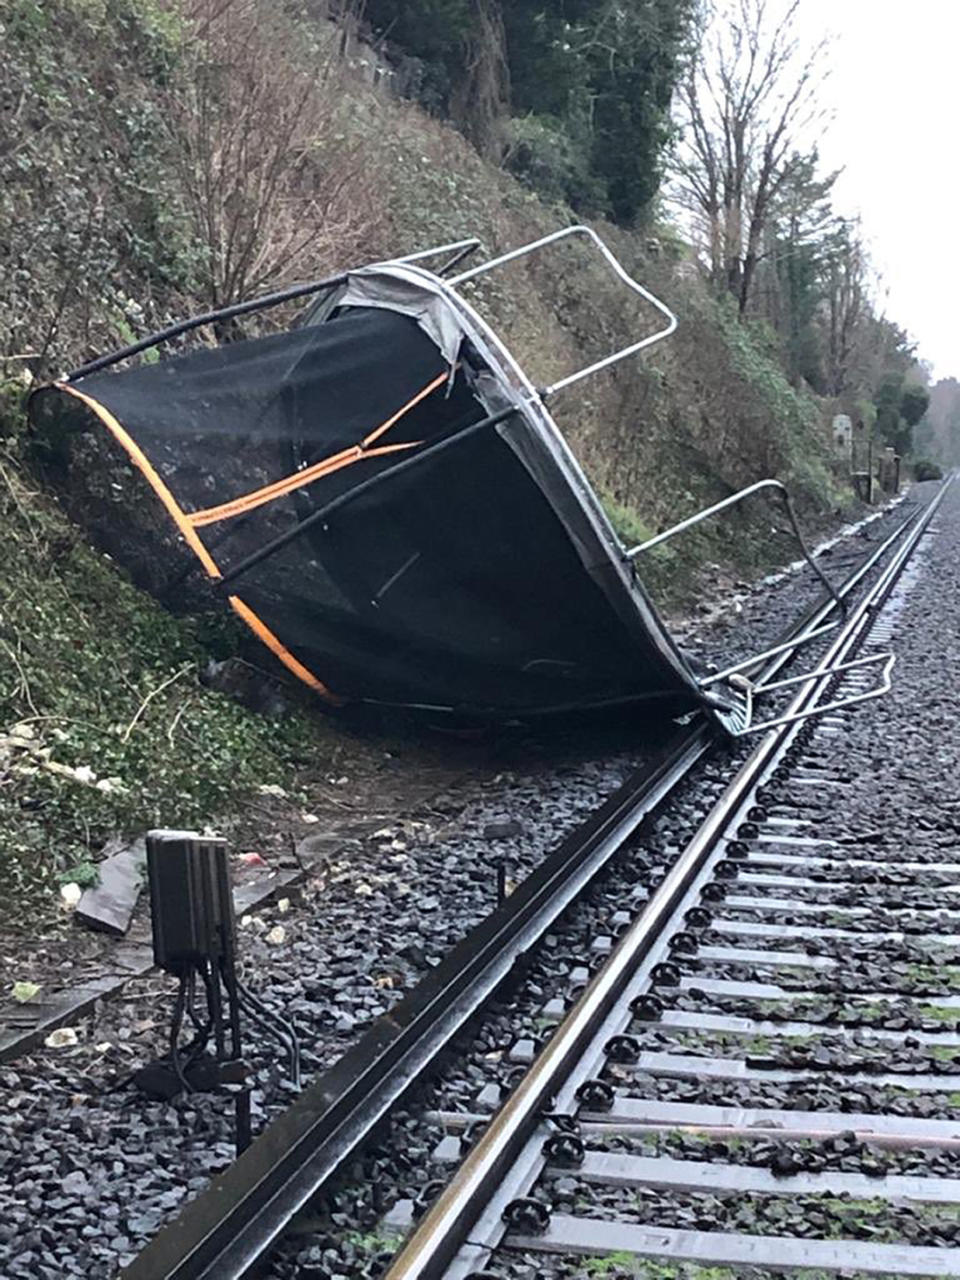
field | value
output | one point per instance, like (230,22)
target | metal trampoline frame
(456,251)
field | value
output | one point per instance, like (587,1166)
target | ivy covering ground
(105,724)
(107,728)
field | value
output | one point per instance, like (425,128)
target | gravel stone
(90,1171)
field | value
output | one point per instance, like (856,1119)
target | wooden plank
(108,906)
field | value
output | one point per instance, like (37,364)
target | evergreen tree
(590,85)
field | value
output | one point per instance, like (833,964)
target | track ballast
(764,1075)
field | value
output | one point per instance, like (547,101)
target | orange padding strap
(140,459)
(249,501)
(277,489)
(280,650)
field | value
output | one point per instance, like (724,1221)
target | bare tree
(747,104)
(846,306)
(272,184)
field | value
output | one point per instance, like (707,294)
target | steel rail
(224,1231)
(448,1224)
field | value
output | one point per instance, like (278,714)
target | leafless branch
(273,185)
(745,105)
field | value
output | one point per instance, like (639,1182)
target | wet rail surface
(763,1074)
(228,1232)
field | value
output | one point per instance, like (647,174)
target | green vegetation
(107,728)
(574,98)
(122,207)
(611,1264)
(937,435)
(900,406)
(620,1266)
(88,185)
(630,528)
(871,1218)
(943,1052)
(935,975)
(626,1266)
(602,76)
(925,469)
(938,1013)
(375,1242)
(83,874)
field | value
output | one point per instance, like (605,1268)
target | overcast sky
(895,92)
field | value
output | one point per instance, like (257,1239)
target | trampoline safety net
(382,506)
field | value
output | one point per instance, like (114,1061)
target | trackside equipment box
(191,902)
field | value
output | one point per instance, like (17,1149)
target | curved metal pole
(786,647)
(618,269)
(208,317)
(732,501)
(458,247)
(821,709)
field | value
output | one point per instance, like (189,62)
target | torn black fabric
(471,577)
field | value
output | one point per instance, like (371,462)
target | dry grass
(275,187)
(219,149)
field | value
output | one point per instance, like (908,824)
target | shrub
(273,188)
(544,155)
(926,469)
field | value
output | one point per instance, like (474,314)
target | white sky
(895,92)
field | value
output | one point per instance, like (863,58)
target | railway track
(749,967)
(650,975)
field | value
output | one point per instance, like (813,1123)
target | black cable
(287,1025)
(202,1028)
(183,1003)
(228,975)
(212,983)
(175,1026)
(282,1029)
(273,1032)
(200,1041)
